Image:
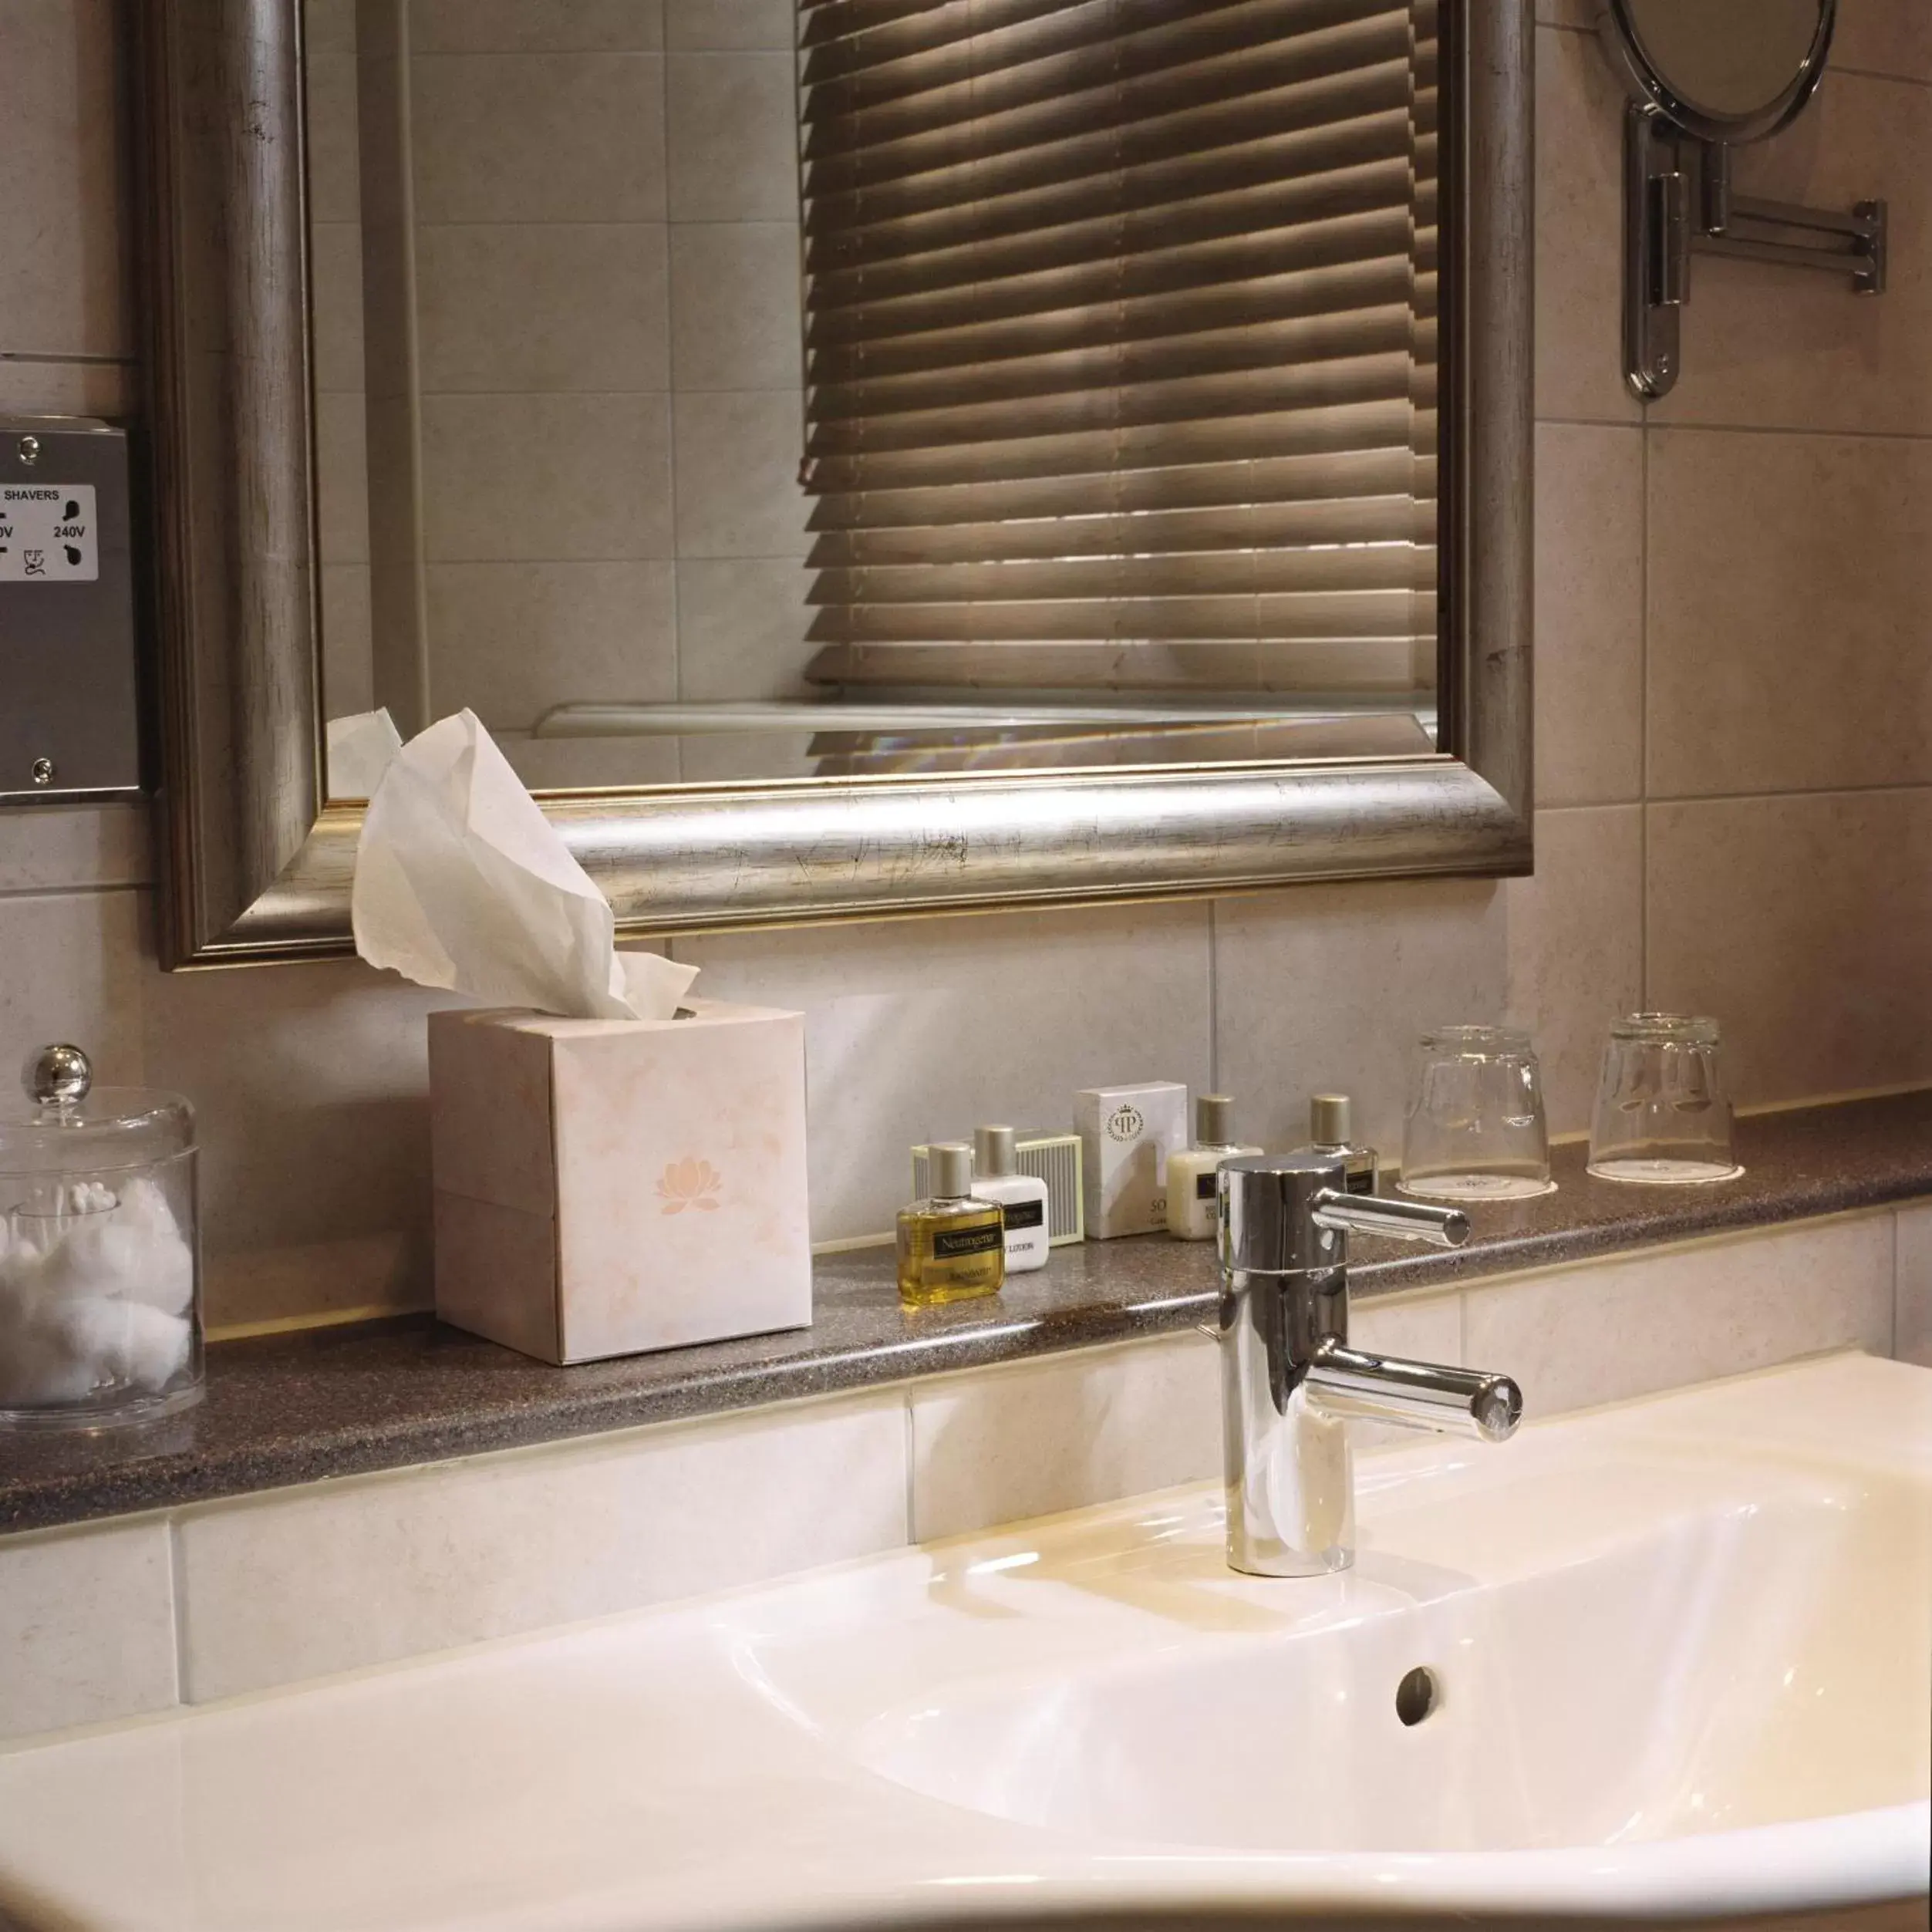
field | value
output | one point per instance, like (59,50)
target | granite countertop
(341,1402)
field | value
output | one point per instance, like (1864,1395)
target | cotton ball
(165,1277)
(121,1341)
(132,1253)
(39,1366)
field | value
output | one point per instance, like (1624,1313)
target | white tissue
(460,882)
(359,750)
(99,1301)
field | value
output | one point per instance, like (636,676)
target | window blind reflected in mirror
(1121,378)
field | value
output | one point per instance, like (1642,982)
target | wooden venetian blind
(1121,364)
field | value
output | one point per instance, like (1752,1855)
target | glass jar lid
(60,1122)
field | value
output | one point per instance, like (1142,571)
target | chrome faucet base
(1289,1382)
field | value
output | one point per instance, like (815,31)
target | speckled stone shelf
(342,1401)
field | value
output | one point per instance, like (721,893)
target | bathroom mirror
(1724,70)
(857,460)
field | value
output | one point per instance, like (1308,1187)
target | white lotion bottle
(1022,1197)
(1192,1207)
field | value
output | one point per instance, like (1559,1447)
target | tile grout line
(80,889)
(911,1518)
(1904,786)
(1214,997)
(1892,1350)
(178,1607)
(1643,715)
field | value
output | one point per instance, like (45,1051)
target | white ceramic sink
(1680,1648)
(1729,1664)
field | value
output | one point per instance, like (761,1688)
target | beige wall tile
(1425,1328)
(41,387)
(1043,1437)
(1790,594)
(310,1086)
(741,627)
(538,137)
(731,130)
(727,26)
(1580,14)
(1883,37)
(1912,1334)
(51,848)
(328,26)
(341,478)
(1580,227)
(87,1627)
(546,478)
(1589,614)
(738,493)
(1577,947)
(332,129)
(325,1578)
(1768,346)
(510,640)
(71,968)
(1578,1336)
(735,305)
(1802,924)
(1324,988)
(336,266)
(347,650)
(922,1028)
(581,306)
(65,289)
(536,26)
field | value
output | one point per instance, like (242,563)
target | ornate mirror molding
(258,863)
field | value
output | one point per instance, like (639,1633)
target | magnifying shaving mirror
(1705,76)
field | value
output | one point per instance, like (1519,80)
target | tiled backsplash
(217,1599)
(1731,717)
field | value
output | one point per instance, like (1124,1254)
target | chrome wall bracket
(1677,201)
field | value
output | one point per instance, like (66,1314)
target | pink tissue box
(608,1186)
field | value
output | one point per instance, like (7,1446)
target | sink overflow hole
(1417,1695)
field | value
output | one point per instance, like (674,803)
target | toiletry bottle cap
(1328,1121)
(993,1152)
(1213,1121)
(952,1164)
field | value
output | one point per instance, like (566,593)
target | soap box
(1126,1133)
(607,1186)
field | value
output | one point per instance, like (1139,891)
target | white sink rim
(671,1850)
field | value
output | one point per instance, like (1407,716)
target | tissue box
(608,1186)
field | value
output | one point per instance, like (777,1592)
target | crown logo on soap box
(689,1183)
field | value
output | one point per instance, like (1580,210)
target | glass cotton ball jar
(100,1276)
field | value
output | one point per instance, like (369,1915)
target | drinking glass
(1475,1129)
(1662,1114)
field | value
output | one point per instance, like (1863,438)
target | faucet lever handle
(1400,1220)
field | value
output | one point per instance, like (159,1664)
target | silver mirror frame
(1649,87)
(257,865)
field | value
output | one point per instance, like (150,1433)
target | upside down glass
(1662,1114)
(1475,1129)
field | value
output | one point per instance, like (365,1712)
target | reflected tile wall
(1793,915)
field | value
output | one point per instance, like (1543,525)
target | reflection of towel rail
(593,720)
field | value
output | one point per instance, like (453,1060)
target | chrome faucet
(1289,1379)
